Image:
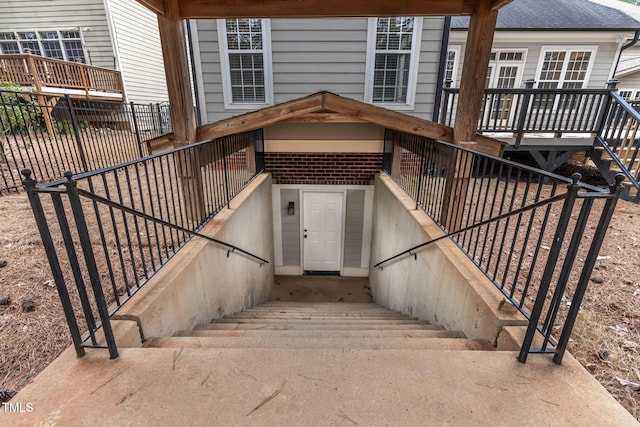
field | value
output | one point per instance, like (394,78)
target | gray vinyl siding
(312,55)
(353,230)
(290,227)
(630,81)
(140,53)
(33,15)
(428,68)
(600,71)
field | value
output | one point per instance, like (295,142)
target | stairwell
(320,325)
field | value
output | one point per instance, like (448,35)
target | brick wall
(323,168)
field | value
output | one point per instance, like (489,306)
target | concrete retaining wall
(442,285)
(201,283)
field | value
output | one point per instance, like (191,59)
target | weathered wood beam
(261,118)
(156,6)
(322,8)
(473,81)
(161,143)
(389,119)
(497,4)
(176,68)
(324,118)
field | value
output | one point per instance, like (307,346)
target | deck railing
(530,110)
(618,140)
(129,220)
(50,134)
(48,75)
(522,227)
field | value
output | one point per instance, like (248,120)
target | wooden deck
(55,77)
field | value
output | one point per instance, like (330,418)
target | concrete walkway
(174,387)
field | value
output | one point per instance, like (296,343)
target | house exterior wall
(629,82)
(89,15)
(139,51)
(311,55)
(607,47)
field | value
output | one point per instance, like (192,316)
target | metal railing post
(52,257)
(76,133)
(90,261)
(159,118)
(135,128)
(524,112)
(226,171)
(589,263)
(545,282)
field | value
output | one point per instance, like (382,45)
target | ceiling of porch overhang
(320,8)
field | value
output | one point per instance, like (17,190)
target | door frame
(367,232)
(343,221)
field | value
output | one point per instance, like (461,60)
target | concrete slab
(313,387)
(321,289)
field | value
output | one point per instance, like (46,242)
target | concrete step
(346,321)
(314,326)
(293,310)
(323,333)
(321,343)
(326,305)
(315,317)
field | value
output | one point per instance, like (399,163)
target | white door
(322,226)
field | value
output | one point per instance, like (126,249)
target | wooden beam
(322,8)
(261,118)
(473,81)
(474,72)
(156,6)
(387,118)
(176,68)
(324,118)
(161,143)
(498,4)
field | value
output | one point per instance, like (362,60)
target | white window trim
(60,40)
(545,49)
(520,64)
(226,76)
(456,64)
(633,91)
(413,72)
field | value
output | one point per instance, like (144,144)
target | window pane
(52,49)
(244,34)
(49,35)
(9,47)
(247,77)
(74,51)
(391,77)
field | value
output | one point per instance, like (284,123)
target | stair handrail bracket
(515,223)
(107,232)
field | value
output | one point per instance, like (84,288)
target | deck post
(474,74)
(176,66)
(42,100)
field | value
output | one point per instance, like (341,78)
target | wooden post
(176,67)
(42,100)
(474,74)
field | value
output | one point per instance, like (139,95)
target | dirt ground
(606,339)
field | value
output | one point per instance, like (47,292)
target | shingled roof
(556,15)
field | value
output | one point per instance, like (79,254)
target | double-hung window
(392,60)
(565,68)
(55,44)
(451,65)
(245,58)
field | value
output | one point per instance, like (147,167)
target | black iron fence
(50,134)
(529,110)
(524,228)
(107,232)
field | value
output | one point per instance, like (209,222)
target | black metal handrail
(232,248)
(130,219)
(501,215)
(413,250)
